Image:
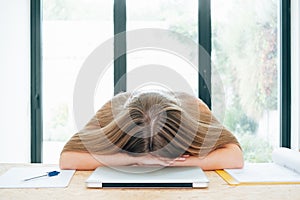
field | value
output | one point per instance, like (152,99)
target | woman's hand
(156,160)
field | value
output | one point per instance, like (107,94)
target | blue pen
(49,174)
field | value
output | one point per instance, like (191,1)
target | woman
(153,128)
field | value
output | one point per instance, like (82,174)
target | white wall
(295,31)
(14,81)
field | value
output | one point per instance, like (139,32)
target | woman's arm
(230,156)
(87,161)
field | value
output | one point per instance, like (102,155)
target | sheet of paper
(263,172)
(14,178)
(287,158)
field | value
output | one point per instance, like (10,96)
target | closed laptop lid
(147,177)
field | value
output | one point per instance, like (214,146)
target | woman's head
(152,122)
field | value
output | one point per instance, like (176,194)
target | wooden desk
(217,190)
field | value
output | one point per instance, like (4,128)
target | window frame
(120,63)
(285,73)
(204,84)
(36,127)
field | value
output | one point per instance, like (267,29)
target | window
(71,31)
(179,16)
(245,53)
(245,56)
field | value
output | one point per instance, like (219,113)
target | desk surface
(218,189)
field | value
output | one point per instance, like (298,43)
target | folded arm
(87,161)
(230,156)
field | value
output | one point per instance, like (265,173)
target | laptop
(147,177)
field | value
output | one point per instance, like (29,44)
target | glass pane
(245,54)
(72,29)
(179,16)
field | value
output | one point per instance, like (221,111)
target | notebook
(147,177)
(285,169)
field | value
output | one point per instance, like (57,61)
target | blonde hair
(152,122)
